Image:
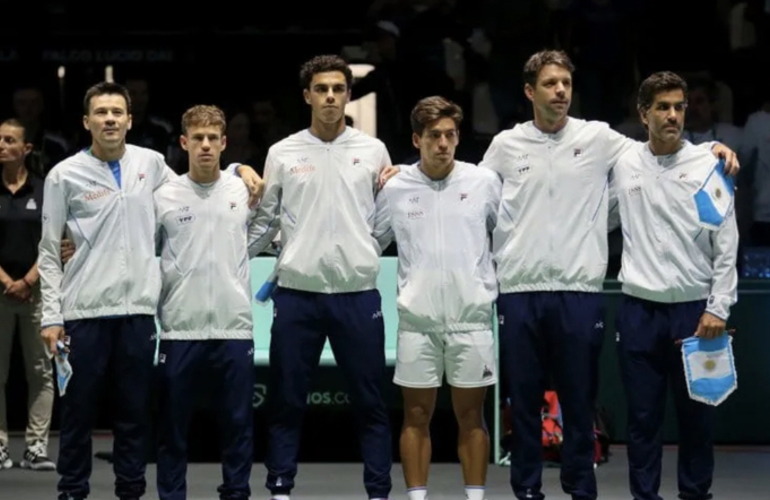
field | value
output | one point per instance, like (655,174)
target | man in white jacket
(205,313)
(441,212)
(550,247)
(105,296)
(678,279)
(320,188)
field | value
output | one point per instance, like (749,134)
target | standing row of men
(537,208)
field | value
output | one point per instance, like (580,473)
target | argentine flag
(709,368)
(715,198)
(63,368)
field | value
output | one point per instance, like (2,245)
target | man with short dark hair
(678,280)
(441,211)
(320,190)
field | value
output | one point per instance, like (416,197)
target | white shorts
(467,358)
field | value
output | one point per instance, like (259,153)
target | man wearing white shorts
(441,212)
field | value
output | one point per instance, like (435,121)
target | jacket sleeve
(266,221)
(49,250)
(493,157)
(493,199)
(724,282)
(165,173)
(383,227)
(614,204)
(615,145)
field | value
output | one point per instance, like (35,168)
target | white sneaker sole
(8,464)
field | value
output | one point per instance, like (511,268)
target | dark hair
(33,161)
(324,64)
(662,81)
(539,60)
(106,88)
(433,108)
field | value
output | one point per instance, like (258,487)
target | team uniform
(105,297)
(673,270)
(446,277)
(322,197)
(206,331)
(550,247)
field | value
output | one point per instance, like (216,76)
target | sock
(417,493)
(279,497)
(474,492)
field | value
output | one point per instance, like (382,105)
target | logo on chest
(95,195)
(415,214)
(185,219)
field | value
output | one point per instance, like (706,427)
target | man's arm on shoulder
(616,144)
(493,157)
(265,221)
(383,228)
(494,194)
(250,178)
(55,212)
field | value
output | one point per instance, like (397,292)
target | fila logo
(356,161)
(463,196)
(141,177)
(233,205)
(577,152)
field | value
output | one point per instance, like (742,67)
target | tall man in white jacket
(550,247)
(678,279)
(105,296)
(320,188)
(441,212)
(205,309)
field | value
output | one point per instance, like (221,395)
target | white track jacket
(205,269)
(446,277)
(551,232)
(667,256)
(114,270)
(321,197)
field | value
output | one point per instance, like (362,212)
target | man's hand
(710,327)
(386,174)
(732,166)
(51,335)
(67,250)
(19,290)
(253,181)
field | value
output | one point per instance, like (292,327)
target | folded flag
(709,368)
(63,368)
(715,198)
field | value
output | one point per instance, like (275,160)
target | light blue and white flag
(63,368)
(714,199)
(709,368)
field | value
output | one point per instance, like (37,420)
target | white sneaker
(35,458)
(5,458)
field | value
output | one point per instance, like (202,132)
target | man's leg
(523,364)
(357,337)
(576,334)
(90,346)
(133,352)
(39,370)
(7,329)
(419,371)
(233,367)
(695,467)
(471,368)
(180,363)
(642,343)
(297,340)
